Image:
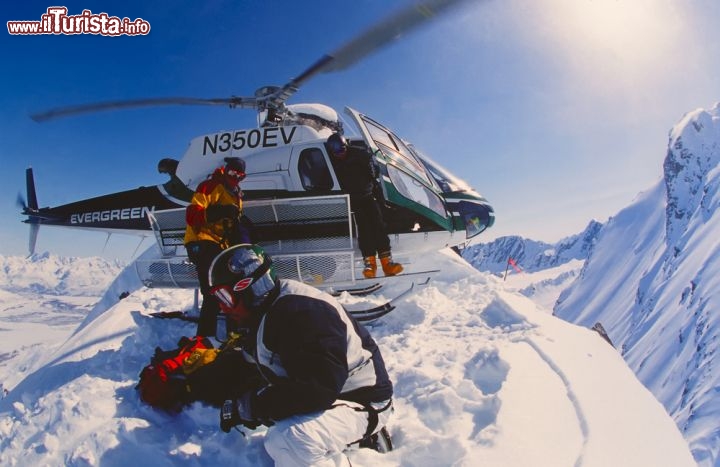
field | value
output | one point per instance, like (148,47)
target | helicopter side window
(314,171)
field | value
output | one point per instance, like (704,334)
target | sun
(621,42)
(622,26)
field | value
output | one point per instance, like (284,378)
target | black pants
(202,253)
(372,236)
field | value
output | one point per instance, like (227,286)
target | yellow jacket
(215,190)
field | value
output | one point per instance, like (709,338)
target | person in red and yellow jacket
(213,224)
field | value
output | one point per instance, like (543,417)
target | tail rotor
(20,202)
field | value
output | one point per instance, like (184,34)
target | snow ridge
(653,281)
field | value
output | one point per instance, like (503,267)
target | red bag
(163,383)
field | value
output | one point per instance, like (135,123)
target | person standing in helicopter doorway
(357,174)
(214,223)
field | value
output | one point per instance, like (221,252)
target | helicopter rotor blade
(232,102)
(273,97)
(374,38)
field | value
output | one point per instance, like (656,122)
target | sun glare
(631,31)
(610,46)
(614,24)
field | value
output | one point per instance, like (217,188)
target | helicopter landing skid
(418,277)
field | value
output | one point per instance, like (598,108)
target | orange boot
(370,267)
(389,267)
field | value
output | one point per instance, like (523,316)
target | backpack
(195,371)
(163,383)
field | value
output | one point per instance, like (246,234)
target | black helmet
(337,144)
(235,167)
(241,277)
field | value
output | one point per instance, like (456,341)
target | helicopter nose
(477,216)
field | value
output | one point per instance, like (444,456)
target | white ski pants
(319,439)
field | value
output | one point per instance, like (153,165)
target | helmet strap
(260,271)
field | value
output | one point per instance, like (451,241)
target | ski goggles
(230,304)
(240,175)
(224,296)
(337,148)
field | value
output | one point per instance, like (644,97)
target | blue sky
(558,111)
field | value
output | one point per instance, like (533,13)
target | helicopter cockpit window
(413,190)
(396,150)
(380,135)
(314,172)
(446,180)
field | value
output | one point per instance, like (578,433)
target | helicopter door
(406,182)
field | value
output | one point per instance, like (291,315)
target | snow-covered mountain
(54,275)
(541,271)
(653,281)
(42,300)
(482,377)
(531,255)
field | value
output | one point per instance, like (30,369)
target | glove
(215,212)
(237,412)
(199,358)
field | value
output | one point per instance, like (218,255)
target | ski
(371,314)
(181,315)
(358,292)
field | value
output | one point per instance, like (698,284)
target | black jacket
(313,353)
(356,172)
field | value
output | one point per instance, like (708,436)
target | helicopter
(291,194)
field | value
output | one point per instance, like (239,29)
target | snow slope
(482,377)
(653,281)
(543,287)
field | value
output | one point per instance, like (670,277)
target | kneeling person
(327,383)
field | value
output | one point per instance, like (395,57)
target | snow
(322,111)
(483,376)
(653,279)
(544,287)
